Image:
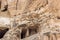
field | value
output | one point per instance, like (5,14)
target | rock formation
(30,19)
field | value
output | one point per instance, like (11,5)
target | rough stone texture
(30,19)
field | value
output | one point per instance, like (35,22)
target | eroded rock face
(30,19)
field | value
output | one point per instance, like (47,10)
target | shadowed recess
(5,8)
(2,32)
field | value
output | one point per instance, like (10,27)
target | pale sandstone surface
(30,19)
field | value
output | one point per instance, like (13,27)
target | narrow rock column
(48,35)
(45,37)
(54,36)
(20,32)
(27,33)
(51,36)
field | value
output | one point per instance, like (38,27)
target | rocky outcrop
(30,19)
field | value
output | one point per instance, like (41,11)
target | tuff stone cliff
(29,20)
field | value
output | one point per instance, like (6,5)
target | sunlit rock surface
(4,20)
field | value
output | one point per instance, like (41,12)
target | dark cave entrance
(23,33)
(31,32)
(2,32)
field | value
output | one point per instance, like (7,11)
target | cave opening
(23,33)
(2,32)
